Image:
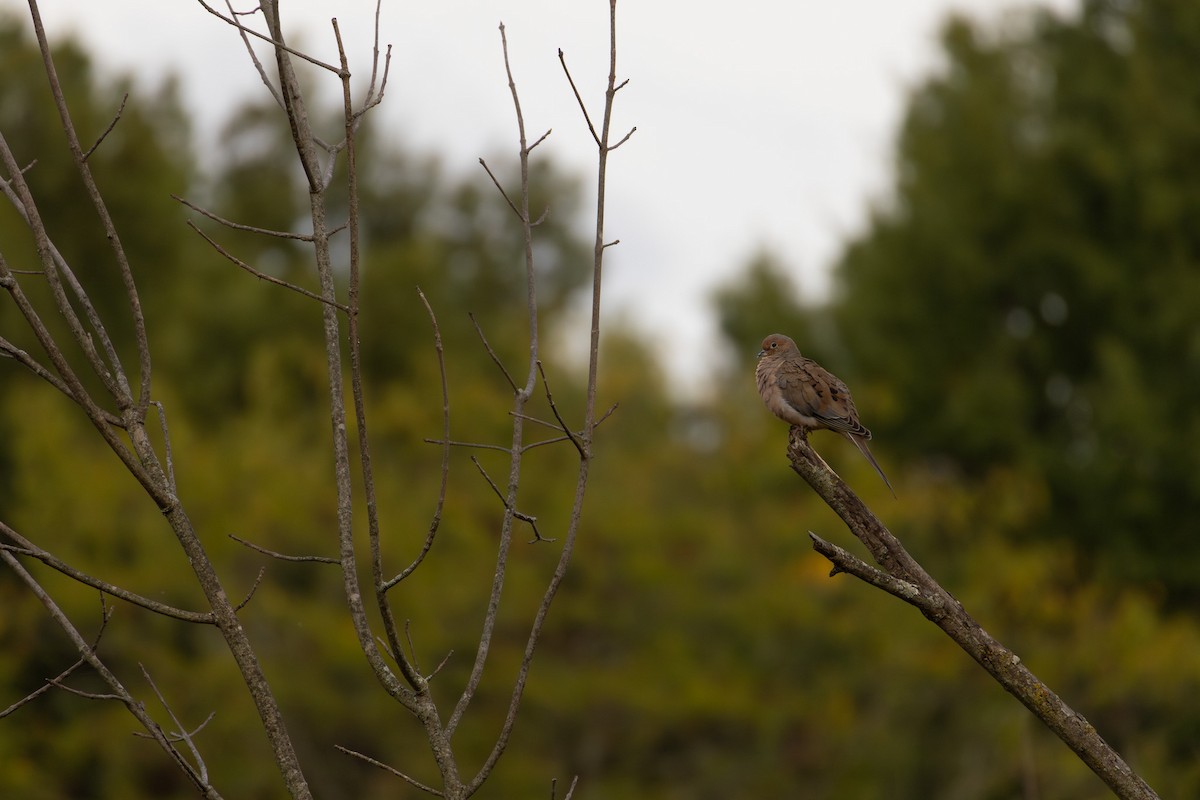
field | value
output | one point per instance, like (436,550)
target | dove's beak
(761,353)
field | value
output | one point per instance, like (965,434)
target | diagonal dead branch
(942,609)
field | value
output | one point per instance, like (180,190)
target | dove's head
(777,344)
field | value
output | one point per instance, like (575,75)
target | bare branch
(175,737)
(108,130)
(28,548)
(393,770)
(253,588)
(237,262)
(495,358)
(237,226)
(166,434)
(275,43)
(110,233)
(570,791)
(183,732)
(242,31)
(105,616)
(477,445)
(50,683)
(589,424)
(582,106)
(281,556)
(908,580)
(554,408)
(435,523)
(119,692)
(10,350)
(623,140)
(845,561)
(500,189)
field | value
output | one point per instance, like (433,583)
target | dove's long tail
(861,443)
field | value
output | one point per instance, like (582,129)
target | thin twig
(253,588)
(166,434)
(281,556)
(476,445)
(393,770)
(500,189)
(275,43)
(182,731)
(175,737)
(845,561)
(435,522)
(582,106)
(495,358)
(412,649)
(237,262)
(10,350)
(105,615)
(527,518)
(237,226)
(554,408)
(108,130)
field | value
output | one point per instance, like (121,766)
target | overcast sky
(761,123)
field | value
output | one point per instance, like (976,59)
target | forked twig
(51,683)
(902,576)
(183,733)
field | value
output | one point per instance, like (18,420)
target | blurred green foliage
(1019,325)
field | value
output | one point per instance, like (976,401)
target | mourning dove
(800,391)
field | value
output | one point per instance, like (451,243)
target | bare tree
(129,419)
